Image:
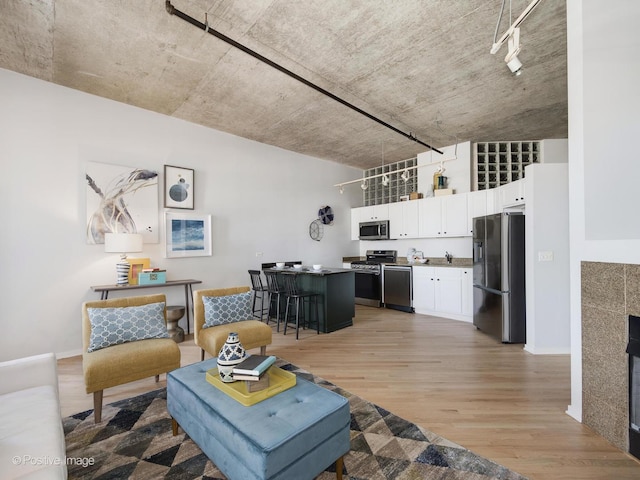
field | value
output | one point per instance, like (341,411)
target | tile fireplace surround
(610,293)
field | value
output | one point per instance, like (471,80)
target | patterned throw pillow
(226,309)
(113,326)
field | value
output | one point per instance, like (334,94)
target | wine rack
(498,163)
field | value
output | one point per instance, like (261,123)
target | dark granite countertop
(309,270)
(433,262)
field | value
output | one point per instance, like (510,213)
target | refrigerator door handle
(477,251)
(487,289)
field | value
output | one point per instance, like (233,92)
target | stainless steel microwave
(378,230)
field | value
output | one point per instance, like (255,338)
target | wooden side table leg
(174,427)
(339,466)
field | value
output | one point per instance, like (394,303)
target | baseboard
(547,351)
(450,316)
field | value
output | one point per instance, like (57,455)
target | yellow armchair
(126,362)
(252,333)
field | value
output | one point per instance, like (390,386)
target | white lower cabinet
(424,289)
(443,292)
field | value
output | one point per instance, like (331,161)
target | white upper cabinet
(513,193)
(367,214)
(430,217)
(444,216)
(403,219)
(476,207)
(454,215)
(375,212)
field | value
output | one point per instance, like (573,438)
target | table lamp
(122,243)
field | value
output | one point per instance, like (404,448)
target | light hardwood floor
(494,399)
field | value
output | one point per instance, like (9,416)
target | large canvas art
(121,200)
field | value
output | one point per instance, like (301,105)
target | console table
(188,291)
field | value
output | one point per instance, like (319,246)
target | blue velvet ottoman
(295,434)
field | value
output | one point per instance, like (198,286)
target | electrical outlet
(258,254)
(545,256)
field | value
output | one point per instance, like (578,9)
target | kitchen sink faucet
(448,256)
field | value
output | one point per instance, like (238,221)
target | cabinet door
(356,218)
(476,207)
(379,212)
(396,220)
(467,292)
(429,217)
(454,216)
(512,193)
(410,218)
(423,289)
(448,290)
(403,219)
(493,201)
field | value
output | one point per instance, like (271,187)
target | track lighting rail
(204,26)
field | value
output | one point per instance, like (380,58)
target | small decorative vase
(231,354)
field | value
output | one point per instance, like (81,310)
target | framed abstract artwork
(187,235)
(178,187)
(121,199)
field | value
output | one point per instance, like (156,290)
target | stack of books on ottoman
(253,371)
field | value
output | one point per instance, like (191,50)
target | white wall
(261,199)
(457,162)
(546,218)
(604,65)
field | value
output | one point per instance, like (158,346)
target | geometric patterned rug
(135,441)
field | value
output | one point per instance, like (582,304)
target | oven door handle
(368,272)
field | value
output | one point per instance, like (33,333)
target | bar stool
(297,297)
(259,291)
(276,293)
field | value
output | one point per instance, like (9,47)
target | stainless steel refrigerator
(499,307)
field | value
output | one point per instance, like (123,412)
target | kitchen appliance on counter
(376,230)
(368,276)
(397,281)
(499,307)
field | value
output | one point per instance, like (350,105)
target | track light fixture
(512,60)
(512,37)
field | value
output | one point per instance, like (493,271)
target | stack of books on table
(253,371)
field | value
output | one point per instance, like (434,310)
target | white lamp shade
(122,242)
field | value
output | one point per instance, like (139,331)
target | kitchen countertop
(309,270)
(433,262)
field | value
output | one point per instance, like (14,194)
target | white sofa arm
(28,372)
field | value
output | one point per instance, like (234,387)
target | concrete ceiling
(422,66)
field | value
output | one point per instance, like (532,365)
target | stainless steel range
(369,276)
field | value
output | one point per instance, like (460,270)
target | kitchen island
(336,287)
